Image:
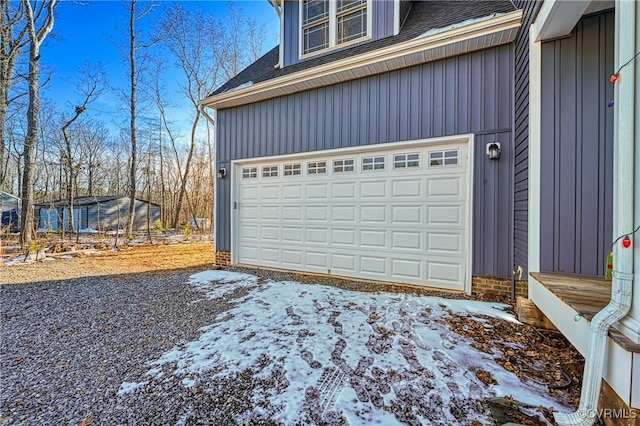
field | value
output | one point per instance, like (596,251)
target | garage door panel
(292,234)
(406,188)
(317,236)
(373,189)
(374,265)
(407,214)
(373,238)
(405,224)
(406,268)
(343,190)
(406,240)
(373,214)
(292,192)
(269,192)
(449,215)
(445,244)
(292,257)
(269,254)
(343,213)
(269,233)
(343,237)
(317,259)
(317,191)
(266,212)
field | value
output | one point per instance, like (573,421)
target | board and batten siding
(382,23)
(530,9)
(576,211)
(470,93)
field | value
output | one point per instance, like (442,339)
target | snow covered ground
(344,357)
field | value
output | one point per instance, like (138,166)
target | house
(583,192)
(10,211)
(464,145)
(98,213)
(375,142)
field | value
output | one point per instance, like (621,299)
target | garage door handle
(235,205)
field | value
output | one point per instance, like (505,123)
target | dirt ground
(156,258)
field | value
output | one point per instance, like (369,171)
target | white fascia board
(396,17)
(557,18)
(499,30)
(535,114)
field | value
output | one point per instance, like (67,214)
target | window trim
(272,168)
(373,164)
(317,167)
(249,172)
(333,28)
(406,161)
(333,165)
(444,157)
(293,168)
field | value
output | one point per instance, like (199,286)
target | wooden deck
(584,294)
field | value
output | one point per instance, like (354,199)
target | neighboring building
(358,147)
(101,213)
(10,211)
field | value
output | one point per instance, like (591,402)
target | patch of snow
(127,387)
(348,352)
(218,283)
(87,231)
(119,232)
(457,25)
(241,86)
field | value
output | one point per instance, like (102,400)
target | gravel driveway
(227,348)
(67,346)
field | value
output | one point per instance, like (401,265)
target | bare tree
(194,39)
(243,39)
(39,25)
(91,85)
(134,76)
(12,39)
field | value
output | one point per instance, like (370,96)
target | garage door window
(317,168)
(249,173)
(341,166)
(292,169)
(373,163)
(403,161)
(443,158)
(269,171)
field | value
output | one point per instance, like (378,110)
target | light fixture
(222,172)
(493,150)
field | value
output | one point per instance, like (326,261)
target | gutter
(479,35)
(623,200)
(278,5)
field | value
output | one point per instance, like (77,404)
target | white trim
(469,139)
(333,30)
(535,113)
(495,31)
(557,18)
(396,17)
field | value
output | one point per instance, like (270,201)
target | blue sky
(93,30)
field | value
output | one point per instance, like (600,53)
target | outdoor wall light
(222,172)
(493,150)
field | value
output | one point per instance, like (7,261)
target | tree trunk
(134,160)
(187,166)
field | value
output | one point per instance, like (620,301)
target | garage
(394,212)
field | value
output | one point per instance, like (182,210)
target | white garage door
(398,212)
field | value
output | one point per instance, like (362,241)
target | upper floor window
(329,23)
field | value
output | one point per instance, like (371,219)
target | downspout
(623,199)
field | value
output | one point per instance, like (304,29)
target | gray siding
(521,136)
(382,23)
(577,149)
(464,94)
